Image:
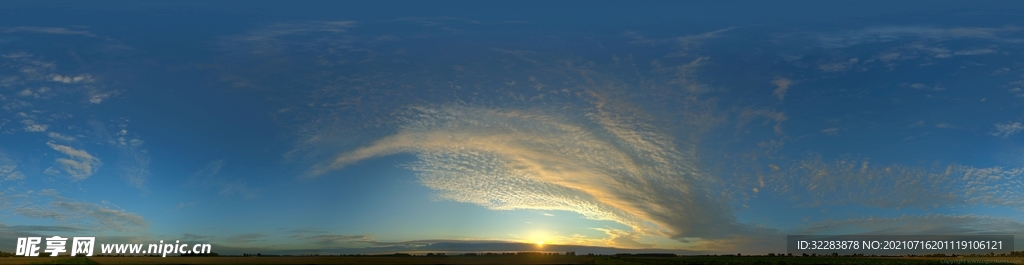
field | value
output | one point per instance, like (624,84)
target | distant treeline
(211,254)
(645,255)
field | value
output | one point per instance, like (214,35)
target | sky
(327,127)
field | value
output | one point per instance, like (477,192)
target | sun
(540,243)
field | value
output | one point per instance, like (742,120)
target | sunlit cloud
(599,164)
(624,239)
(606,163)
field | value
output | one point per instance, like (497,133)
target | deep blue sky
(352,127)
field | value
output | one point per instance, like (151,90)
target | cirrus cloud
(80,165)
(1007,129)
(597,163)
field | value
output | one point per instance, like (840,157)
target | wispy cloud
(894,33)
(921,225)
(206,175)
(685,42)
(781,86)
(36,212)
(14,176)
(32,126)
(286,29)
(840,66)
(193,237)
(274,37)
(48,192)
(337,239)
(97,97)
(60,137)
(38,228)
(692,40)
(9,169)
(134,167)
(184,205)
(604,167)
(210,177)
(925,87)
(437,21)
(133,160)
(816,182)
(980,51)
(1005,130)
(748,115)
(87,215)
(71,79)
(245,238)
(105,217)
(46,30)
(39,92)
(36,128)
(81,164)
(239,188)
(624,239)
(469,245)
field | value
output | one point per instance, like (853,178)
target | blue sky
(328,127)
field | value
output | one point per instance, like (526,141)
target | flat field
(508,260)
